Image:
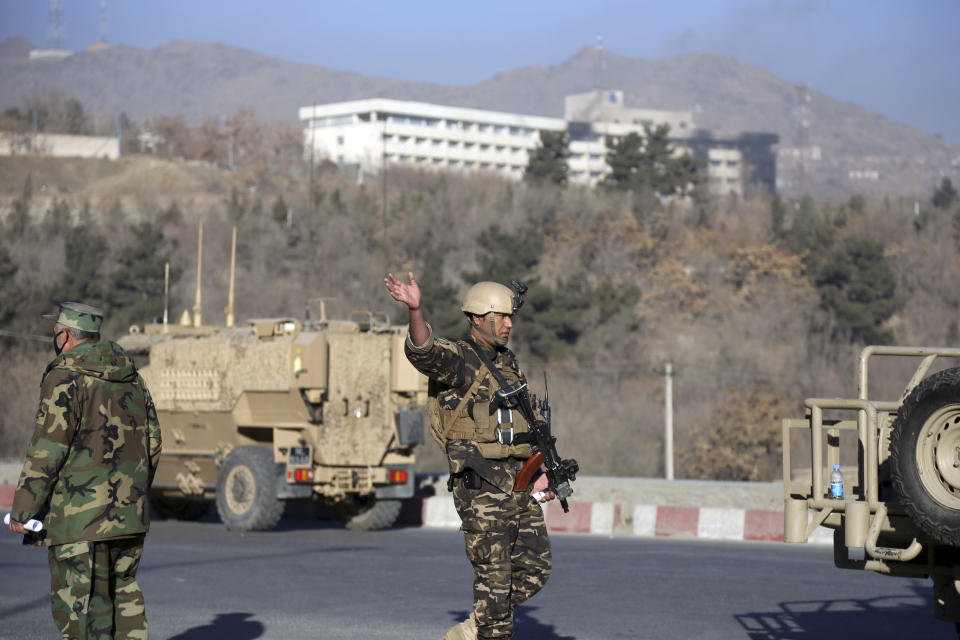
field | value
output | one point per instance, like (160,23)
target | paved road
(313,580)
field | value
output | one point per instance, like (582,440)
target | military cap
(77,315)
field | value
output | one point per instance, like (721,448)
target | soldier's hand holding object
(540,489)
(16,527)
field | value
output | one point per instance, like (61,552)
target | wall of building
(373,133)
(61,145)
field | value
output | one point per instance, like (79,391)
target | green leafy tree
(85,251)
(507,255)
(778,213)
(9,292)
(811,234)
(441,300)
(75,119)
(279,211)
(857,285)
(945,196)
(57,217)
(19,220)
(236,207)
(648,162)
(548,162)
(135,292)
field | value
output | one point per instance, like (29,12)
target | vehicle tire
(179,508)
(366,513)
(925,456)
(247,490)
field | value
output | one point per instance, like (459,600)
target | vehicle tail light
(300,475)
(398,476)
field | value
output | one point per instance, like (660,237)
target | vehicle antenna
(198,304)
(166,295)
(233,273)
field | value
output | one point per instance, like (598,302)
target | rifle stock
(529,469)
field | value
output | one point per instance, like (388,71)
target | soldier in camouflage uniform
(504,530)
(87,476)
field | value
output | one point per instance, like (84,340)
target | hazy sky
(899,58)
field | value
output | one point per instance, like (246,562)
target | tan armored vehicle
(282,410)
(900,510)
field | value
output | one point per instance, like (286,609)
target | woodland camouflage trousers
(507,544)
(94,590)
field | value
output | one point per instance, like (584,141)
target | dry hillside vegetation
(620,285)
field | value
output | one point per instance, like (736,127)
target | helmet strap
(490,337)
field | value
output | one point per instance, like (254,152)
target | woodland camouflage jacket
(94,451)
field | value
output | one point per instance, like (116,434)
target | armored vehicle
(281,410)
(899,513)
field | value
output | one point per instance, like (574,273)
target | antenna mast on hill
(103,20)
(802,117)
(600,64)
(55,32)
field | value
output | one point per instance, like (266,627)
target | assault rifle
(560,472)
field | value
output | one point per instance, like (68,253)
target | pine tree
(649,163)
(135,294)
(548,162)
(857,286)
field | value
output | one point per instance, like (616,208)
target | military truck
(900,511)
(282,410)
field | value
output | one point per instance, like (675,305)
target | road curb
(644,520)
(611,519)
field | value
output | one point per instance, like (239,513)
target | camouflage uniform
(504,530)
(87,474)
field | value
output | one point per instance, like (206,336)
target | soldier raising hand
(487,441)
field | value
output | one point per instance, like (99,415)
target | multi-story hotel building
(376,132)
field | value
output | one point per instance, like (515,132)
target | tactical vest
(472,411)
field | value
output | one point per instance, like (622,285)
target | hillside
(204,79)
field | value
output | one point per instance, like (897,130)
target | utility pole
(668,421)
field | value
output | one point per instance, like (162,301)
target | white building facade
(373,133)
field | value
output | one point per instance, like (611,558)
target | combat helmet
(486,297)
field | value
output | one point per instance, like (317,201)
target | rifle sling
(501,381)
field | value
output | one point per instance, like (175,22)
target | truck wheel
(247,490)
(366,513)
(925,456)
(179,509)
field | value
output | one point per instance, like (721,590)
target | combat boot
(466,630)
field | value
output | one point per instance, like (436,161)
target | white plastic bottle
(836,483)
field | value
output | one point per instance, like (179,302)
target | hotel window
(500,148)
(484,147)
(468,145)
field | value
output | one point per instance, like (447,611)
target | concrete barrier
(643,507)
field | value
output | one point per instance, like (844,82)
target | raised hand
(409,294)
